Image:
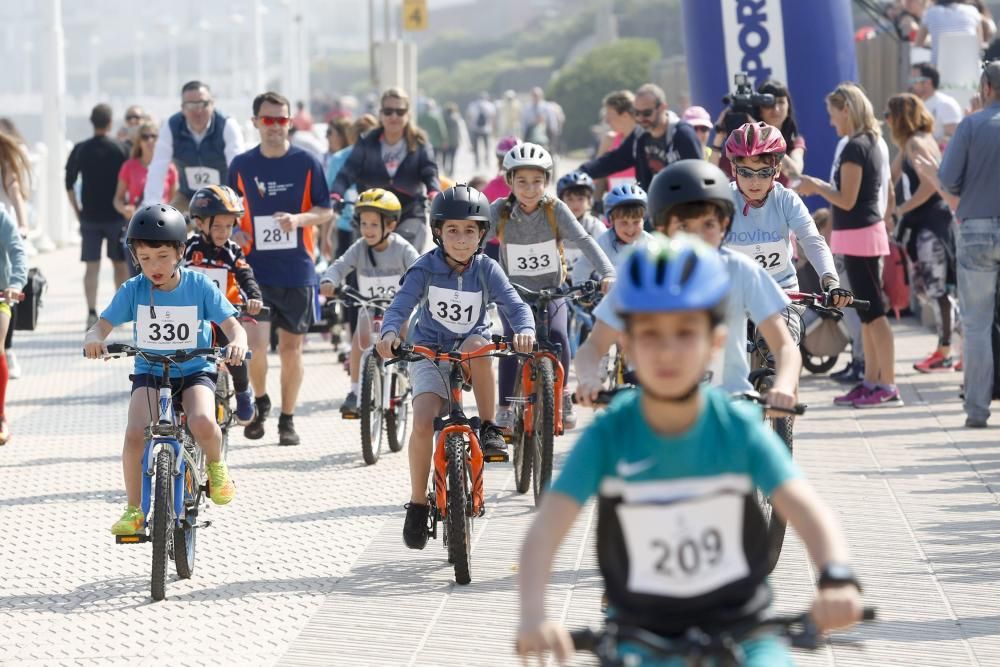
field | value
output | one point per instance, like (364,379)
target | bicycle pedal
(508,438)
(497,458)
(349,415)
(131,539)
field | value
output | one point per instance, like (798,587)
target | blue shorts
(94,234)
(177,385)
(764,651)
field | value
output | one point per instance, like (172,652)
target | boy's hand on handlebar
(12,295)
(840,297)
(537,639)
(524,342)
(254,306)
(781,397)
(236,353)
(385,346)
(606,285)
(836,607)
(95,349)
(586,393)
(327,289)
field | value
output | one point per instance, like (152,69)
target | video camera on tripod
(743,103)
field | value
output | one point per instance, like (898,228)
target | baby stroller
(824,334)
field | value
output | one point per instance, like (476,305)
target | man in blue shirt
(286,198)
(969,171)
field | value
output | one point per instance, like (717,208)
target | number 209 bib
(684,549)
(453,309)
(173,328)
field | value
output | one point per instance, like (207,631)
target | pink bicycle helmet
(755,140)
(506,144)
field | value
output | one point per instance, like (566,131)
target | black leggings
(558,333)
(865,276)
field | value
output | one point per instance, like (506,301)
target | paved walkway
(307,565)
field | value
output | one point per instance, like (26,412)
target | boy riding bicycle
(680,538)
(576,190)
(450,288)
(379,259)
(171,309)
(216,210)
(625,206)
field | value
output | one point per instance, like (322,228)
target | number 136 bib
(453,309)
(173,328)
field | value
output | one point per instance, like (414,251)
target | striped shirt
(956,18)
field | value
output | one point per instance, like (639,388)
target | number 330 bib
(173,328)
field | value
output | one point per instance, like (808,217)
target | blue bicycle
(174,481)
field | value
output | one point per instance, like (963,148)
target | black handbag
(26,312)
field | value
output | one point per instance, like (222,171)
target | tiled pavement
(307,565)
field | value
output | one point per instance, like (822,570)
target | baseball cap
(991,70)
(698,117)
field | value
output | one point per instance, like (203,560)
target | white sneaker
(504,418)
(13,368)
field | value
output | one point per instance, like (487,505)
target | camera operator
(771,104)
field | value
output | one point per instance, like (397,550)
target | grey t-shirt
(529,253)
(378,279)
(392,155)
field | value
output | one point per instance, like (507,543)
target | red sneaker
(935,362)
(959,367)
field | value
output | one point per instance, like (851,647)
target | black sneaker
(287,437)
(852,374)
(415,528)
(255,429)
(493,444)
(349,408)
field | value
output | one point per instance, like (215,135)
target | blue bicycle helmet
(574,179)
(671,274)
(622,195)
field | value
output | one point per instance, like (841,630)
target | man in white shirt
(199,140)
(924,80)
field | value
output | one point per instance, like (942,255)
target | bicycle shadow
(106,495)
(94,597)
(338,513)
(345,460)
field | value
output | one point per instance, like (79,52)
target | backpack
(895,280)
(549,206)
(26,313)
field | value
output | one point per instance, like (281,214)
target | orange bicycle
(456,496)
(538,394)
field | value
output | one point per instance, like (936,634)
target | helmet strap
(683,398)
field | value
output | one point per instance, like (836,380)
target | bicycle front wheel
(458,523)
(162,533)
(544,428)
(524,447)
(371,410)
(397,419)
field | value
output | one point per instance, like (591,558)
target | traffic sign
(414,15)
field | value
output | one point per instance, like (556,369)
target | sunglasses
(133,117)
(763,174)
(699,128)
(147,137)
(274,120)
(643,113)
(197,104)
(389,111)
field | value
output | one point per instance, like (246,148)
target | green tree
(579,88)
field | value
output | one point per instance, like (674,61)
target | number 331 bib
(453,309)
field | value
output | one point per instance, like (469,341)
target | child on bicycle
(171,309)
(532,226)
(379,259)
(693,196)
(680,538)
(625,206)
(576,190)
(216,210)
(13,276)
(767,213)
(450,288)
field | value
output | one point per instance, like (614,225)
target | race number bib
(455,310)
(217,275)
(199,177)
(684,549)
(535,259)
(772,257)
(268,235)
(379,286)
(173,328)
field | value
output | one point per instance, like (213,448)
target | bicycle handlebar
(242,308)
(800,630)
(753,396)
(586,288)
(824,301)
(119,350)
(19,299)
(379,302)
(498,347)
(604,396)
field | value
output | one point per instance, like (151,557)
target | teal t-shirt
(179,319)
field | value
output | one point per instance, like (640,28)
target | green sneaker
(131,523)
(221,489)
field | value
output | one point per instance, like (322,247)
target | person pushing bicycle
(171,309)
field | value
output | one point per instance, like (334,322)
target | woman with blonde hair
(924,222)
(859,234)
(394,156)
(15,179)
(132,175)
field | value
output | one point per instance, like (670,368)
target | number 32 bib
(772,257)
(173,328)
(453,309)
(684,549)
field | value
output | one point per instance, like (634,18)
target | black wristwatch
(837,574)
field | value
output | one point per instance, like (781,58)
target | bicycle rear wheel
(774,523)
(186,533)
(162,518)
(543,430)
(397,419)
(458,523)
(523,447)
(371,410)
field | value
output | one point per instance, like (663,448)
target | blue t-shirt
(182,321)
(292,183)
(752,294)
(681,540)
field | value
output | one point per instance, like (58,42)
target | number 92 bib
(453,309)
(173,328)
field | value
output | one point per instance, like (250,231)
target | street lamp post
(54,120)
(137,73)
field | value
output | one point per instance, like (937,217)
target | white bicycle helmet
(527,155)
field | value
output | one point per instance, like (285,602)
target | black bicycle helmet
(216,200)
(157,222)
(460,202)
(685,182)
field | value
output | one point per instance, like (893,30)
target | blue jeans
(977,243)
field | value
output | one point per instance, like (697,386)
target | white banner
(754,38)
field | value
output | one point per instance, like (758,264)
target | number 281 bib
(268,235)
(453,309)
(173,328)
